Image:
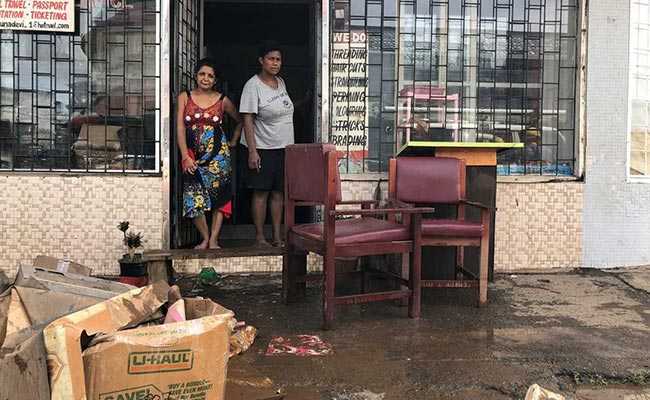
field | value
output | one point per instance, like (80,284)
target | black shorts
(270,177)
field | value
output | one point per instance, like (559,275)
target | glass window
(497,71)
(639,94)
(84,101)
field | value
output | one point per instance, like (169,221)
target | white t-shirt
(274,109)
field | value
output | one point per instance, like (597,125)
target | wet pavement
(580,333)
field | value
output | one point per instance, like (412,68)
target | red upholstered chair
(311,178)
(440,180)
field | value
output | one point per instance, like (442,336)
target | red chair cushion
(357,230)
(451,228)
(429,180)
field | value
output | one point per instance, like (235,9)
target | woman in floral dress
(205,153)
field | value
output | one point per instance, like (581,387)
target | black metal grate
(467,70)
(88,101)
(185,52)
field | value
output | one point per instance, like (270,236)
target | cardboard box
(23,313)
(180,361)
(59,265)
(69,282)
(5,282)
(23,371)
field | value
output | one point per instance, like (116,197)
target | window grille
(87,101)
(462,70)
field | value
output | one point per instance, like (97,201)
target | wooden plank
(186,254)
(473,157)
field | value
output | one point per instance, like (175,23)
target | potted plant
(131,263)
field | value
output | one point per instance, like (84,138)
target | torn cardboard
(23,312)
(184,360)
(69,282)
(5,282)
(23,372)
(60,265)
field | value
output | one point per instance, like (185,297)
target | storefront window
(639,92)
(454,70)
(87,101)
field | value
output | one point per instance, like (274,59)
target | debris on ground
(246,383)
(61,265)
(242,338)
(68,282)
(208,277)
(536,392)
(165,360)
(365,395)
(300,345)
(39,295)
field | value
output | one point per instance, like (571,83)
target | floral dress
(209,187)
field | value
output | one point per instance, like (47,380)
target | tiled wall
(538,225)
(76,217)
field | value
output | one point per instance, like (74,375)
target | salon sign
(37,15)
(349,120)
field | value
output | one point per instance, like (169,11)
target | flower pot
(133,266)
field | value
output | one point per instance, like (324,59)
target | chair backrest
(428,179)
(306,170)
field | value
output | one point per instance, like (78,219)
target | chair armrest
(307,203)
(476,204)
(394,203)
(382,211)
(348,202)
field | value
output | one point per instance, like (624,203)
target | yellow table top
(465,145)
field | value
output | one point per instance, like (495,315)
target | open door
(186,28)
(233,31)
(230,32)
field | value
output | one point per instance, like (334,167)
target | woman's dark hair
(206,62)
(267,47)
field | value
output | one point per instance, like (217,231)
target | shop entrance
(230,32)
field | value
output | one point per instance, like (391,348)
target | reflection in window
(639,89)
(83,101)
(486,70)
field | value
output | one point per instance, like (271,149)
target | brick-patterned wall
(617,212)
(77,217)
(538,226)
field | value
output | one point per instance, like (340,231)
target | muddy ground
(583,333)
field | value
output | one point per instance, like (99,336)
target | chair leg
(329,270)
(294,271)
(483,271)
(460,262)
(406,274)
(415,276)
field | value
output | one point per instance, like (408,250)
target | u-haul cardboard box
(178,361)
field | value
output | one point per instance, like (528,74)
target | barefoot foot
(262,243)
(201,246)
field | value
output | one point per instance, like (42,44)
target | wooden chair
(440,180)
(311,178)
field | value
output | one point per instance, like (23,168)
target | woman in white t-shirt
(267,111)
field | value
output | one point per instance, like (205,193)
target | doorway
(230,33)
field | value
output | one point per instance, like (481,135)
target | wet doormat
(300,345)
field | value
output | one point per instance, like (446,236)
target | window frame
(630,80)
